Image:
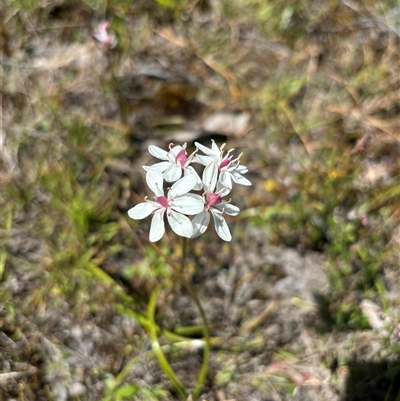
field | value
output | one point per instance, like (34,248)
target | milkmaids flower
(108,40)
(229,168)
(214,204)
(176,204)
(175,162)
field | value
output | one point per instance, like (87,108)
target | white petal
(225,179)
(210,175)
(227,208)
(207,151)
(191,171)
(157,228)
(204,160)
(242,169)
(221,227)
(183,186)
(200,223)
(180,224)
(162,166)
(215,148)
(141,211)
(172,173)
(222,189)
(188,204)
(158,152)
(154,179)
(239,179)
(156,205)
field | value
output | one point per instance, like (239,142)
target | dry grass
(303,304)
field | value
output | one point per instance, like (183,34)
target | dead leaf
(228,123)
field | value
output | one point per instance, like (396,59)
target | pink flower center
(213,199)
(225,162)
(163,201)
(181,157)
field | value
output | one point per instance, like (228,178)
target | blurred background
(303,304)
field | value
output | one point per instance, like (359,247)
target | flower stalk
(206,331)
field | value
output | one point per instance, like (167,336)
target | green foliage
(132,391)
(153,267)
(28,6)
(174,4)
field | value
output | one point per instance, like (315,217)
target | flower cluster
(221,170)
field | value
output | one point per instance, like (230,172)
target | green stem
(207,346)
(183,260)
(162,360)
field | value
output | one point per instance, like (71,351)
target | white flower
(108,40)
(214,204)
(229,169)
(177,203)
(175,161)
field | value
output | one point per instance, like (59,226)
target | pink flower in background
(364,219)
(396,332)
(108,40)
